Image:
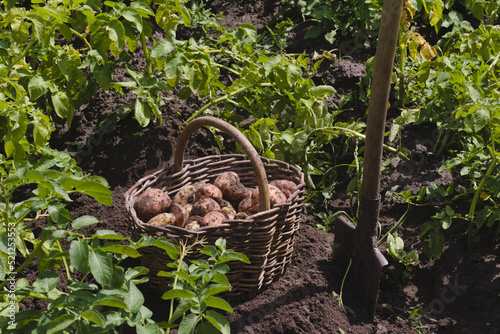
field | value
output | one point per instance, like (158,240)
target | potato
(276,196)
(245,205)
(210,191)
(150,203)
(163,219)
(286,186)
(185,195)
(226,177)
(192,226)
(241,215)
(204,206)
(193,223)
(227,208)
(232,189)
(180,213)
(188,207)
(214,218)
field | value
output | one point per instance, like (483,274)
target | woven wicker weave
(266,238)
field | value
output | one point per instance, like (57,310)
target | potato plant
(456,90)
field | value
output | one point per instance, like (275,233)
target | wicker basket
(266,238)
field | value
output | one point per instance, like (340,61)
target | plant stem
(227,68)
(338,130)
(396,226)
(475,199)
(145,49)
(224,98)
(402,58)
(64,261)
(343,282)
(21,55)
(82,37)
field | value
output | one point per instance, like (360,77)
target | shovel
(359,242)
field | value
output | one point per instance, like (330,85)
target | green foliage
(103,300)
(194,286)
(395,247)
(456,90)
(355,19)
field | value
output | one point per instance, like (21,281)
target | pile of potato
(205,204)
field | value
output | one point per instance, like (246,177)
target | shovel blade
(364,263)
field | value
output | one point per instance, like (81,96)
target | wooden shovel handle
(251,153)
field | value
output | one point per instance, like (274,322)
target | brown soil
(458,293)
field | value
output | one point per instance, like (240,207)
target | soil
(458,293)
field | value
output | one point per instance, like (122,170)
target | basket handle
(250,151)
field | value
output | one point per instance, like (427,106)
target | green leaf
(481,118)
(41,129)
(101,267)
(250,31)
(100,41)
(47,281)
(142,112)
(117,33)
(60,323)
(434,246)
(58,213)
(320,91)
(219,303)
(37,86)
(84,221)
(98,191)
(178,293)
(62,104)
(122,249)
(133,16)
(111,302)
(108,235)
(313,32)
(218,321)
(134,298)
(181,309)
(162,48)
(79,255)
(255,138)
(170,248)
(188,324)
(94,316)
(102,75)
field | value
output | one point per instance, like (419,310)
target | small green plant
(395,247)
(194,286)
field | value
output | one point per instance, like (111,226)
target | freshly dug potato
(192,226)
(214,218)
(193,223)
(150,203)
(163,219)
(204,206)
(276,196)
(198,185)
(226,177)
(245,205)
(286,186)
(210,191)
(227,208)
(241,215)
(180,213)
(232,189)
(185,195)
(188,207)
